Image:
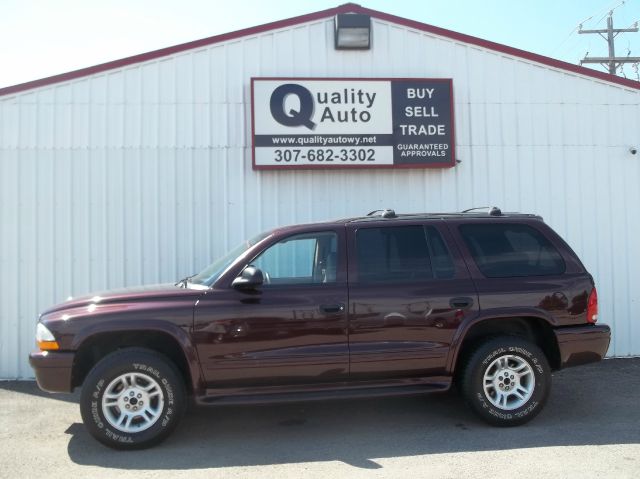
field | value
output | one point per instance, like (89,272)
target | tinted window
(301,259)
(441,261)
(401,253)
(509,250)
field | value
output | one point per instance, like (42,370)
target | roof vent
(386,213)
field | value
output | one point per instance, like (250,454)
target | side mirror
(251,277)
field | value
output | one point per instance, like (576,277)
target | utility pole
(611,62)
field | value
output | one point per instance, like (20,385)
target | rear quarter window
(511,250)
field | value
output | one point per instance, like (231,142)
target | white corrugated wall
(143,174)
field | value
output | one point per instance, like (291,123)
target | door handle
(461,302)
(332,308)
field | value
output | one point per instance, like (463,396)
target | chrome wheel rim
(509,382)
(132,402)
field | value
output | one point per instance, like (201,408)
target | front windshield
(211,273)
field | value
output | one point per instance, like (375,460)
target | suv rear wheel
(132,398)
(507,381)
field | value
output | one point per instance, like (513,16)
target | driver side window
(309,258)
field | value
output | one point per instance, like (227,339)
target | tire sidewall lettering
(95,415)
(169,391)
(147,369)
(492,355)
(166,416)
(527,408)
(118,436)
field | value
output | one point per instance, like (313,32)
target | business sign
(352,123)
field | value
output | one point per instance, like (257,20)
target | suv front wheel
(133,398)
(506,381)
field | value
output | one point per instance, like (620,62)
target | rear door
(409,290)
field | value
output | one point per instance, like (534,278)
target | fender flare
(487,315)
(122,326)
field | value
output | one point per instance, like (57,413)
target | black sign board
(352,123)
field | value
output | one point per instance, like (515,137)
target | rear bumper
(53,370)
(582,344)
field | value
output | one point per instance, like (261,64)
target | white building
(140,170)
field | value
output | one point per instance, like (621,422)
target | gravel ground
(590,428)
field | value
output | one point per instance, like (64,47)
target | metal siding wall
(143,175)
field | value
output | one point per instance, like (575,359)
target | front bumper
(53,370)
(582,344)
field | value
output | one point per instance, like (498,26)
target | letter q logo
(303,116)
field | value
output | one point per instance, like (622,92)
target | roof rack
(385,213)
(492,210)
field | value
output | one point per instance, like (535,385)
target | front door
(408,293)
(291,330)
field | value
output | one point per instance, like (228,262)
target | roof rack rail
(493,210)
(385,213)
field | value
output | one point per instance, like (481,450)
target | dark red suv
(379,305)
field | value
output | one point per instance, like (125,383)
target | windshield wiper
(183,282)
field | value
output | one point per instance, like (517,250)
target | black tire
(145,363)
(472,381)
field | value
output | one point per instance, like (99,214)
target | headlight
(45,339)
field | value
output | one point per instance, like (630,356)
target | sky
(40,38)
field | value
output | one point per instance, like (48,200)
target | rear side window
(511,250)
(402,253)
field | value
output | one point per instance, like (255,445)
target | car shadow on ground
(31,388)
(581,411)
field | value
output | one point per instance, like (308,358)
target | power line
(578,26)
(634,23)
(610,11)
(609,7)
(611,62)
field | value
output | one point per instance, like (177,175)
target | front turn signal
(48,345)
(45,339)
